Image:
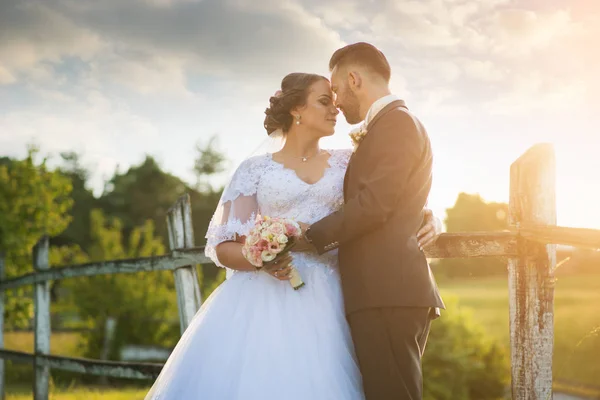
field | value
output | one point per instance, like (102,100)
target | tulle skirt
(257,338)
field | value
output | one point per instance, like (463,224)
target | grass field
(577,332)
(576,321)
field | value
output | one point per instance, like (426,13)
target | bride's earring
(297,120)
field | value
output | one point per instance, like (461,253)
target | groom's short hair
(363,54)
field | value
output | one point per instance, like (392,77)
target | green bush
(144,304)
(461,362)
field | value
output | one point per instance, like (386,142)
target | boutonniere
(357,135)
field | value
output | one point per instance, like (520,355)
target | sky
(118,79)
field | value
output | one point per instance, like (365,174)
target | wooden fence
(529,245)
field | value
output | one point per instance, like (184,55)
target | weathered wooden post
(181,235)
(109,335)
(531,278)
(41,320)
(1,326)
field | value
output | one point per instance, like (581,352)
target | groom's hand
(302,244)
(430,231)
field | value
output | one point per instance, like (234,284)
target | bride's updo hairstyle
(293,94)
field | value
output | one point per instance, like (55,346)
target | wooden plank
(110,327)
(448,245)
(144,353)
(17,356)
(176,259)
(548,234)
(181,236)
(115,369)
(531,281)
(473,244)
(41,321)
(2,374)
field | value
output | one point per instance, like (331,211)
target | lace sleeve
(340,158)
(237,210)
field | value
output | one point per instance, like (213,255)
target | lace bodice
(263,186)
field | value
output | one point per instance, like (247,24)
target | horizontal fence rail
(550,234)
(87,366)
(447,245)
(176,259)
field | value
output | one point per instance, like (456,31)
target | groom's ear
(354,79)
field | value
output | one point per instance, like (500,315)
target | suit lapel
(384,110)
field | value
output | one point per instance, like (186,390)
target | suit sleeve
(399,146)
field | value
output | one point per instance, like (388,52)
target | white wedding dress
(255,337)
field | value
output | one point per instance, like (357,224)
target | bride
(256,337)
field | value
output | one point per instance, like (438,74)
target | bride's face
(319,114)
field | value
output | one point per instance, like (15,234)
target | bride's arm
(230,255)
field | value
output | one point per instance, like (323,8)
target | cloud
(220,38)
(518,32)
(32,32)
(164,43)
(6,77)
(117,79)
(531,91)
(483,70)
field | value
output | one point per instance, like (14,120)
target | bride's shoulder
(340,157)
(249,169)
(252,163)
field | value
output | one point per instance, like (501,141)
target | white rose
(282,239)
(267,256)
(252,239)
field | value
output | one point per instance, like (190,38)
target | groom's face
(345,99)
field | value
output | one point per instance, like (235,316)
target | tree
(78,231)
(210,161)
(143,192)
(144,304)
(33,202)
(147,192)
(471,213)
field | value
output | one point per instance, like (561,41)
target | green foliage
(33,202)
(78,231)
(143,192)
(144,304)
(461,361)
(209,161)
(471,213)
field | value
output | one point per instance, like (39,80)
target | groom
(390,294)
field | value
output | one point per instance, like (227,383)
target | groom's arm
(400,145)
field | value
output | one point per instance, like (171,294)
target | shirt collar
(379,105)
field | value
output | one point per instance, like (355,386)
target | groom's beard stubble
(350,108)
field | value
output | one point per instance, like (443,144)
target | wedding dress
(256,337)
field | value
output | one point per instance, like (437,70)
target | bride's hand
(430,231)
(280,268)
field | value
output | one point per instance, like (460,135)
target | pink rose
(277,228)
(255,257)
(263,244)
(292,229)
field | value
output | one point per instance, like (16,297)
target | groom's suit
(390,293)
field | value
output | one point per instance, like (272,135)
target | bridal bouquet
(269,238)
